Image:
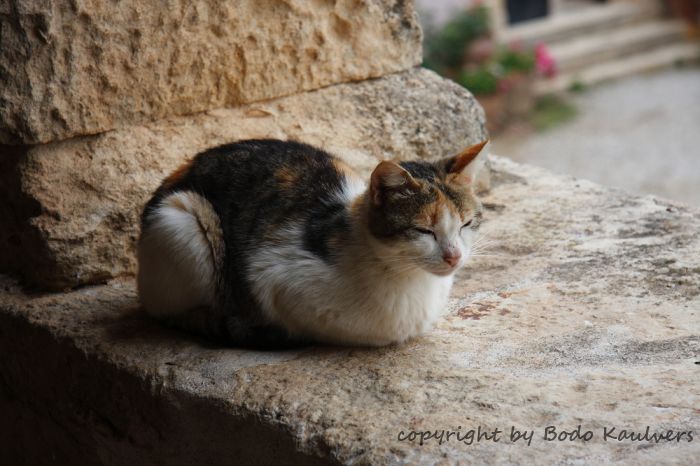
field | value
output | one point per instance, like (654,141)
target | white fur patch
(358,300)
(177,261)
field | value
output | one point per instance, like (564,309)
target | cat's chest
(399,311)
(353,304)
(422,296)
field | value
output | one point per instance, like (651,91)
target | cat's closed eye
(425,231)
(468,223)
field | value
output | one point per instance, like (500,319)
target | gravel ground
(640,133)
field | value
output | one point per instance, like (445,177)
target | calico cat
(268,243)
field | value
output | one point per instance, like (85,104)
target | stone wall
(69,68)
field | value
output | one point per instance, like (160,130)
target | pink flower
(546,66)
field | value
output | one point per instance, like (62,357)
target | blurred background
(603,90)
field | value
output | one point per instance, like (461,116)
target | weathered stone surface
(71,68)
(73,206)
(588,313)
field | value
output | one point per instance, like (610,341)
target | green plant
(551,111)
(480,81)
(577,86)
(444,49)
(494,75)
(516,60)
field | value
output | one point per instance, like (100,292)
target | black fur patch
(240,182)
(324,222)
(423,170)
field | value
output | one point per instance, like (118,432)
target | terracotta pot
(514,101)
(496,110)
(520,97)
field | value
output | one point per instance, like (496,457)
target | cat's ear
(463,167)
(390,179)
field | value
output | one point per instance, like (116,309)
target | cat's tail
(180,253)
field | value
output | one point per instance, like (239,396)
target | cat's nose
(452,258)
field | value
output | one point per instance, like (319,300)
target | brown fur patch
(207,219)
(178,174)
(430,214)
(465,157)
(286,177)
(425,216)
(342,167)
(457,179)
(209,223)
(359,208)
(445,202)
(389,176)
(176,202)
(335,241)
(462,191)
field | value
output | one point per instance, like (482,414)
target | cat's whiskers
(482,243)
(483,252)
(484,240)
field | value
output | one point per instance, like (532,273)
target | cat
(271,244)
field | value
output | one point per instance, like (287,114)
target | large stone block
(586,312)
(70,68)
(71,209)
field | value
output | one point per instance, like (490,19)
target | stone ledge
(73,207)
(75,68)
(588,313)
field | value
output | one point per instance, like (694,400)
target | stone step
(586,314)
(73,206)
(583,51)
(657,58)
(587,21)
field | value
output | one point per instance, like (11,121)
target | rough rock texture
(73,206)
(586,313)
(70,68)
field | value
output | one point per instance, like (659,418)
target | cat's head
(426,213)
